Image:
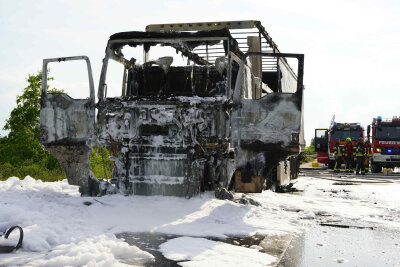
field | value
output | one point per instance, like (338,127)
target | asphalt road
(345,243)
(332,246)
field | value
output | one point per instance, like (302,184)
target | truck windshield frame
(177,43)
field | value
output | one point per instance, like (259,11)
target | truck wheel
(331,164)
(375,168)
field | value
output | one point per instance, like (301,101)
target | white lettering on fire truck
(389,142)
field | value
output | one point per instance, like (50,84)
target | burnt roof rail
(266,44)
(203,26)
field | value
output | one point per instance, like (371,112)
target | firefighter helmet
(348,139)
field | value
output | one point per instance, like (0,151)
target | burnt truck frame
(179,130)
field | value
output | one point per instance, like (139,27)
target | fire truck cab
(324,145)
(342,131)
(385,143)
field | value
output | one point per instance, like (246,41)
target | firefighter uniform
(348,155)
(368,155)
(338,151)
(359,153)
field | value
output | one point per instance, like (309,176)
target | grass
(100,165)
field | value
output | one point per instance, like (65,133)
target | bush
(49,170)
(100,163)
(35,170)
(305,156)
(7,170)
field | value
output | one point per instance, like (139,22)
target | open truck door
(267,128)
(272,123)
(67,127)
(321,145)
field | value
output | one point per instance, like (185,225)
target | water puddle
(150,242)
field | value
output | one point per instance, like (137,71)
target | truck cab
(385,143)
(342,131)
(201,106)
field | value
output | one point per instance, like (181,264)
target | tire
(375,168)
(331,164)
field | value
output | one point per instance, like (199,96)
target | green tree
(26,115)
(21,147)
(312,142)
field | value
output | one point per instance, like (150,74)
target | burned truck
(221,109)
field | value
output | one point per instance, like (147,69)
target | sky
(351,47)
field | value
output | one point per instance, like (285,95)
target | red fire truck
(385,143)
(341,131)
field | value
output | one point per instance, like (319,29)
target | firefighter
(338,151)
(359,153)
(368,154)
(348,155)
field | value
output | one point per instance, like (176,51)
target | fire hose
(8,249)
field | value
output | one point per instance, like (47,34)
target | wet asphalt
(332,246)
(150,242)
(322,245)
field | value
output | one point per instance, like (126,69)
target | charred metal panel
(267,123)
(66,120)
(166,146)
